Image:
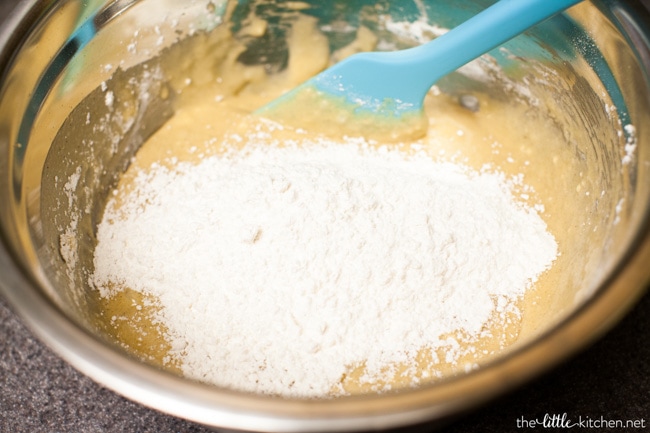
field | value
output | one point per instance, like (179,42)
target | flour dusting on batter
(280,268)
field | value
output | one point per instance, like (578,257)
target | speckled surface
(41,393)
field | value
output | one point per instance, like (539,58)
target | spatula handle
(490,28)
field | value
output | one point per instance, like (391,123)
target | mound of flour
(278,268)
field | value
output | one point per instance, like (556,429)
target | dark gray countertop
(41,393)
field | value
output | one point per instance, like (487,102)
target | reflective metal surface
(56,55)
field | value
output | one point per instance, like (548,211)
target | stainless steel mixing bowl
(588,71)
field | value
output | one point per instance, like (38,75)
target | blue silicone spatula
(393,84)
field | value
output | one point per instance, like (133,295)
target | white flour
(279,268)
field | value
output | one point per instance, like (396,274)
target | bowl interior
(574,80)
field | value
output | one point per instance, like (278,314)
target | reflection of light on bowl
(594,90)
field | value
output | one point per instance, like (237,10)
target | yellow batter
(216,98)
